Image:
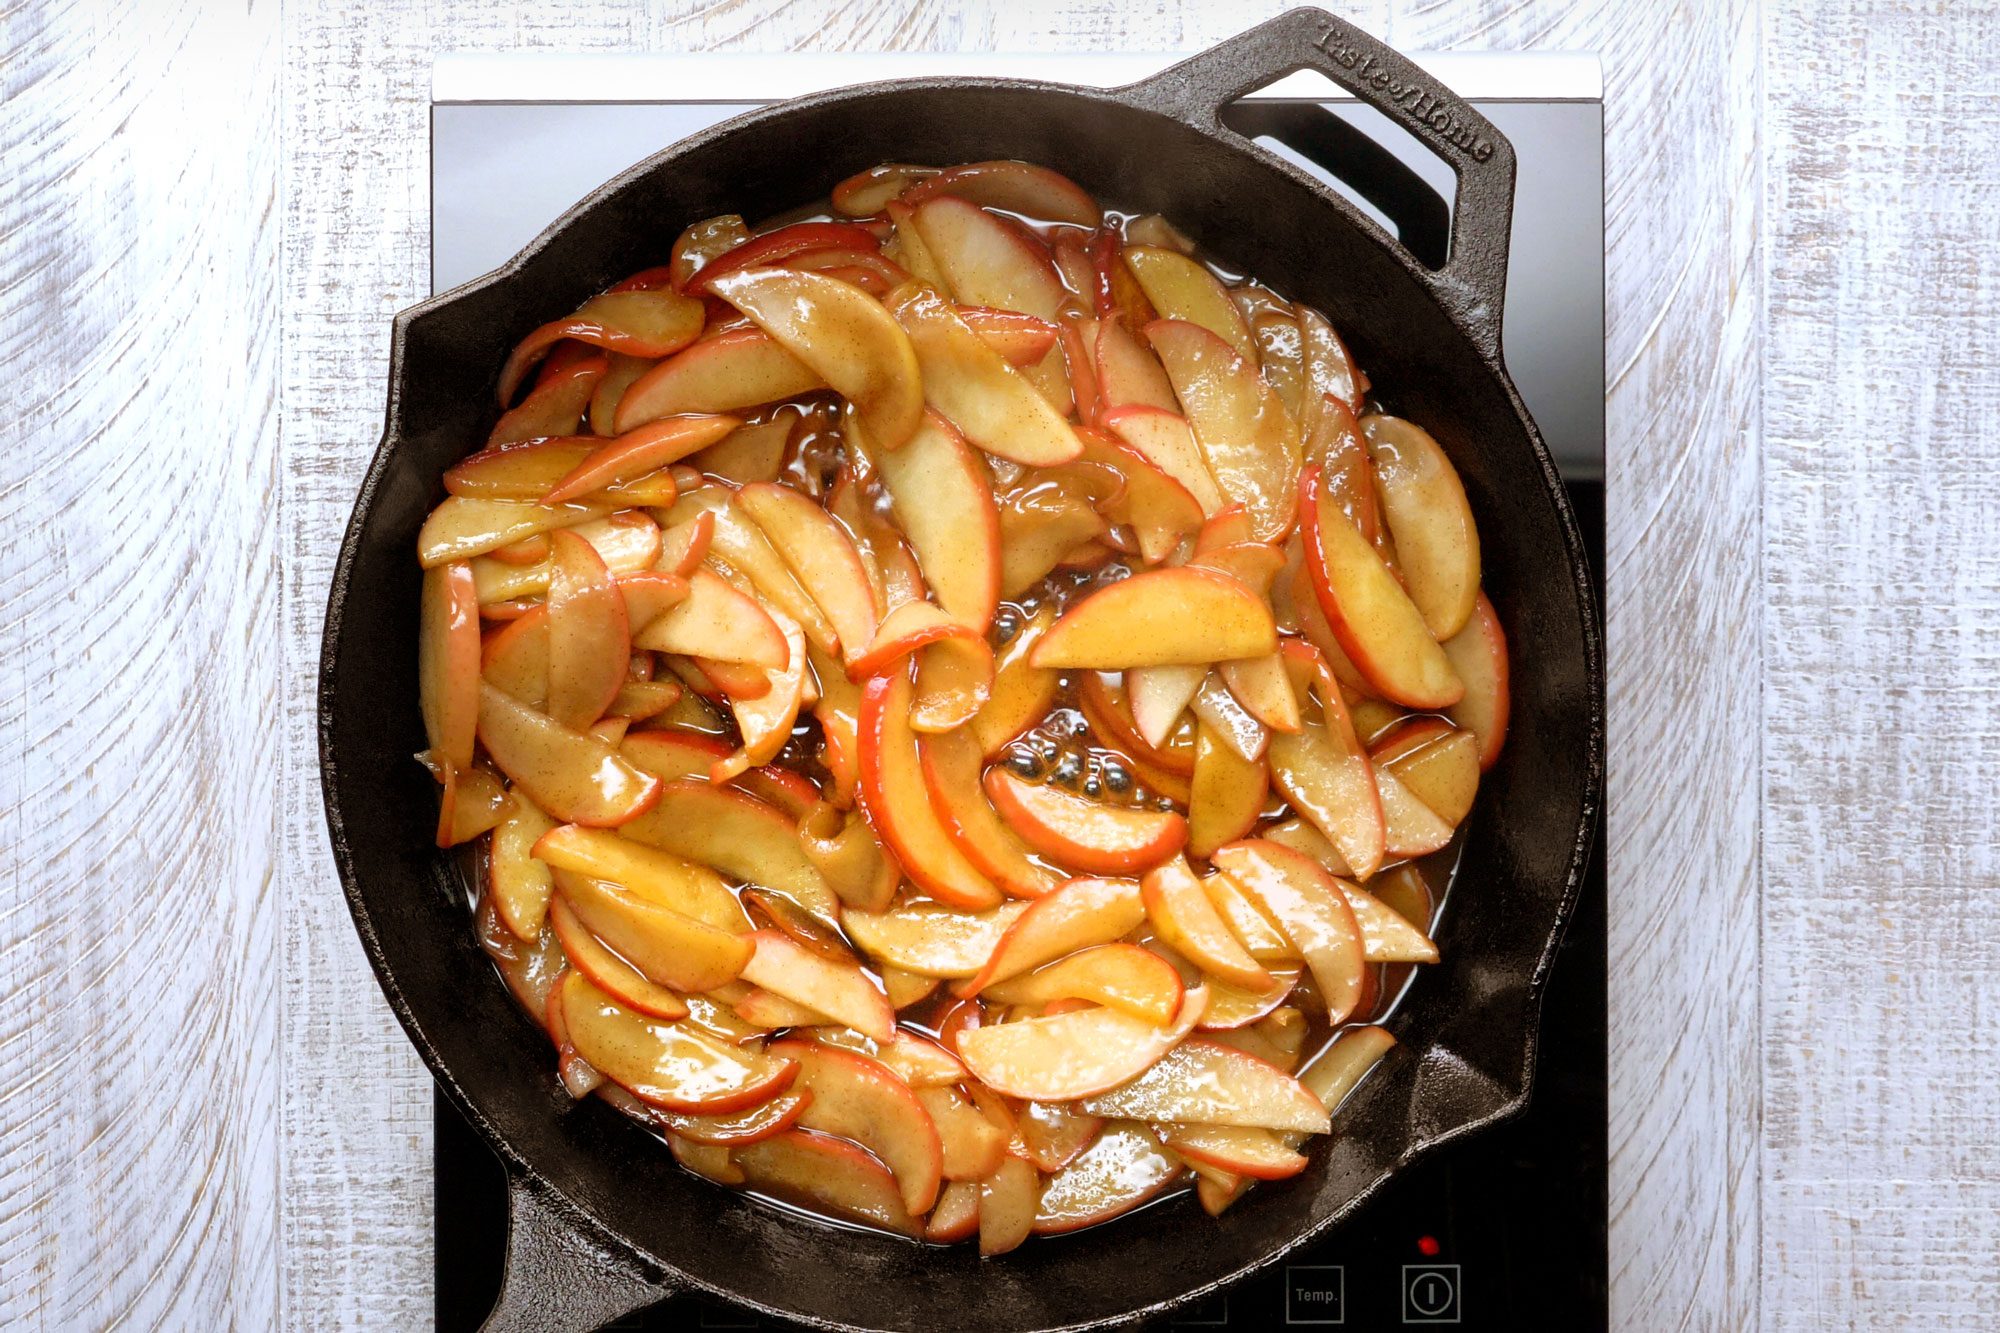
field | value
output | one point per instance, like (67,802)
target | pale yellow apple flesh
(1082,913)
(1257,1153)
(843,992)
(738,834)
(1162,617)
(1444,775)
(631,456)
(589,641)
(1163,437)
(462,527)
(1007,1202)
(608,972)
(448,664)
(972,1145)
(1078,1053)
(931,939)
(972,386)
(667,1064)
(1478,653)
(830,1175)
(517,883)
(1204,1082)
(1308,906)
(1182,288)
(1226,793)
(1437,543)
(1123,1168)
(1120,976)
(822,558)
(985,261)
(858,1098)
(1326,776)
(1055,1134)
(1184,918)
(943,501)
(1022,692)
(573,775)
(894,794)
(1247,438)
(716,621)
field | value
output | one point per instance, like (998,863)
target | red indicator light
(1429,1246)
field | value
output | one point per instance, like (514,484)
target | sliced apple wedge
(1120,976)
(1160,618)
(842,992)
(1022,693)
(517,884)
(1204,1082)
(1187,922)
(448,663)
(637,323)
(1253,928)
(1256,1153)
(627,542)
(952,764)
(707,1160)
(972,386)
(972,1144)
(1078,1053)
(1377,626)
(1054,1134)
(1218,710)
(931,939)
(986,261)
(773,248)
(956,1216)
(1387,936)
(850,859)
(667,1064)
(857,1098)
(1264,689)
(831,1175)
(943,501)
(1081,834)
(1409,827)
(843,334)
(897,801)
(716,621)
(1478,653)
(1334,1074)
(462,527)
(1162,436)
(765,721)
(1182,288)
(1113,717)
(1007,1202)
(821,556)
(647,872)
(610,973)
(555,405)
(739,835)
(954,665)
(473,801)
(630,456)
(1437,544)
(1325,774)
(669,753)
(1226,796)
(1018,187)
(1443,774)
(589,641)
(1082,913)
(918,1061)
(1130,376)
(725,372)
(1329,368)
(737,1128)
(1248,439)
(1308,906)
(1160,511)
(1231,1008)
(572,775)
(1121,1169)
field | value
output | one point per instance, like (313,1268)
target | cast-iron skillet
(603,1220)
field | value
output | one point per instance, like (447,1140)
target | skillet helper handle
(561,1275)
(1473,281)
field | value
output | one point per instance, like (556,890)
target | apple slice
(821,556)
(448,664)
(669,753)
(1253,928)
(1162,436)
(1204,1082)
(1335,1072)
(462,527)
(1325,774)
(918,1061)
(517,884)
(740,553)
(829,1175)
(1077,1053)
(844,335)
(973,1145)
(1055,1134)
(675,951)
(1120,976)
(986,261)
(472,802)
(954,664)
(1160,511)
(1262,686)
(1226,795)
(1182,288)
(667,1064)
(1008,1200)
(589,641)
(1247,438)
(707,1160)
(956,1216)
(1374,621)
(1082,913)
(1387,936)
(627,542)
(1185,919)
(637,323)
(769,1011)
(1153,687)
(1124,1167)
(608,972)
(716,621)
(573,775)
(1443,774)
(725,372)
(843,992)
(773,248)
(857,1098)
(1159,618)
(973,387)
(952,764)
(1256,1153)
(739,835)
(1478,653)
(1042,526)
(1308,906)
(1328,366)
(1437,544)
(897,801)
(1409,827)
(1022,694)
(931,939)
(738,1128)
(943,501)
(633,455)
(567,383)
(1130,376)
(847,855)
(1017,187)
(1232,1008)
(1158,696)
(1081,834)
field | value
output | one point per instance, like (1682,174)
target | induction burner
(1499,1229)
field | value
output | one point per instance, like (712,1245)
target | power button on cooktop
(1430,1293)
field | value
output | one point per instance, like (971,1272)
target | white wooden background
(209,212)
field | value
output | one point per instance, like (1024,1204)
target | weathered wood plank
(139,745)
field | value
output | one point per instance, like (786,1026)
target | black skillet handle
(1473,280)
(562,1275)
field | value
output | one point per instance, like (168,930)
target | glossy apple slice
(1227,793)
(608,972)
(1022,693)
(973,387)
(1120,976)
(1077,1053)
(954,664)
(1055,1134)
(725,372)
(858,1098)
(1007,1203)
(972,1144)
(1256,1153)
(472,802)
(1160,511)
(1478,653)
(943,501)
(650,873)
(707,1160)
(1325,774)
(1182,288)
(667,1064)
(1154,688)
(986,261)
(1204,1082)
(517,884)
(1410,828)
(1376,624)
(894,794)
(555,405)
(1334,1074)
(1130,376)
(589,642)
(1443,774)
(1308,906)
(448,664)
(931,939)
(1328,366)
(1123,1168)
(1247,438)
(821,557)
(1042,526)
(637,323)
(843,992)
(1187,922)
(844,335)
(844,850)
(1232,1008)
(1264,689)
(1017,187)
(1162,436)
(572,775)
(716,621)
(668,947)
(918,1061)
(627,542)
(462,527)
(1387,936)
(645,449)
(1161,617)
(737,834)
(956,1216)
(1158,696)
(1081,834)
(952,764)
(829,1175)
(736,1128)
(773,248)
(1253,928)
(1437,544)
(670,753)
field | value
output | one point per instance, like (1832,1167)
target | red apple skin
(1163,617)
(897,800)
(1479,654)
(874,1108)
(1083,835)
